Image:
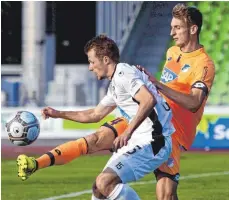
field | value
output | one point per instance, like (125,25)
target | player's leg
(71,150)
(96,195)
(105,137)
(65,153)
(166,189)
(130,164)
(101,140)
(111,187)
(167,175)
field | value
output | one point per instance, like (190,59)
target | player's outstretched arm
(84,116)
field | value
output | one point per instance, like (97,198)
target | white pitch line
(192,176)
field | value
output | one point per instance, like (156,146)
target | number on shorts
(134,150)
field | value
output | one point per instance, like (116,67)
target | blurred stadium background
(43,63)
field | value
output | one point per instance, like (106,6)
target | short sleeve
(168,57)
(131,81)
(203,76)
(167,54)
(108,100)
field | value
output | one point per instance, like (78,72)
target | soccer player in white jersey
(142,145)
(146,142)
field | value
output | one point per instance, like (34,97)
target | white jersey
(125,83)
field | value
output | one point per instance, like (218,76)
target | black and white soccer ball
(23,128)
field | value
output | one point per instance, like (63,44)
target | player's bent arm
(146,102)
(191,102)
(88,116)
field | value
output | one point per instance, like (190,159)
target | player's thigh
(118,125)
(103,138)
(171,167)
(167,174)
(133,162)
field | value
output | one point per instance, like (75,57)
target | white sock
(123,192)
(94,198)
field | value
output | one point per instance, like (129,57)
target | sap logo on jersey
(168,76)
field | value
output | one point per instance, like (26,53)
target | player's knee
(96,192)
(106,182)
(92,141)
(102,182)
(169,194)
(102,139)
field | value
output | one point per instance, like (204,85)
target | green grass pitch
(79,175)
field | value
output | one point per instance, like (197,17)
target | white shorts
(133,162)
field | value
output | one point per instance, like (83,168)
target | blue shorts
(134,161)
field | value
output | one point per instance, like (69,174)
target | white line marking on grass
(192,176)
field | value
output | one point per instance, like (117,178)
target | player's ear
(106,60)
(193,29)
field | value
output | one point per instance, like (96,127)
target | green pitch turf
(85,126)
(79,175)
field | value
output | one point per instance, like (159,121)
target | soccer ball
(23,128)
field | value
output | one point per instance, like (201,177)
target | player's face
(180,32)
(96,65)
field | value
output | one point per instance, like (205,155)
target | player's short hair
(190,14)
(103,46)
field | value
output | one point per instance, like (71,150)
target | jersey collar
(114,71)
(192,53)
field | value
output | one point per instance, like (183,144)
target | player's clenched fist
(49,112)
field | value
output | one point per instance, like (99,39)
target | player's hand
(151,77)
(49,112)
(121,141)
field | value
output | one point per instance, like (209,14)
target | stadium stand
(149,39)
(141,30)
